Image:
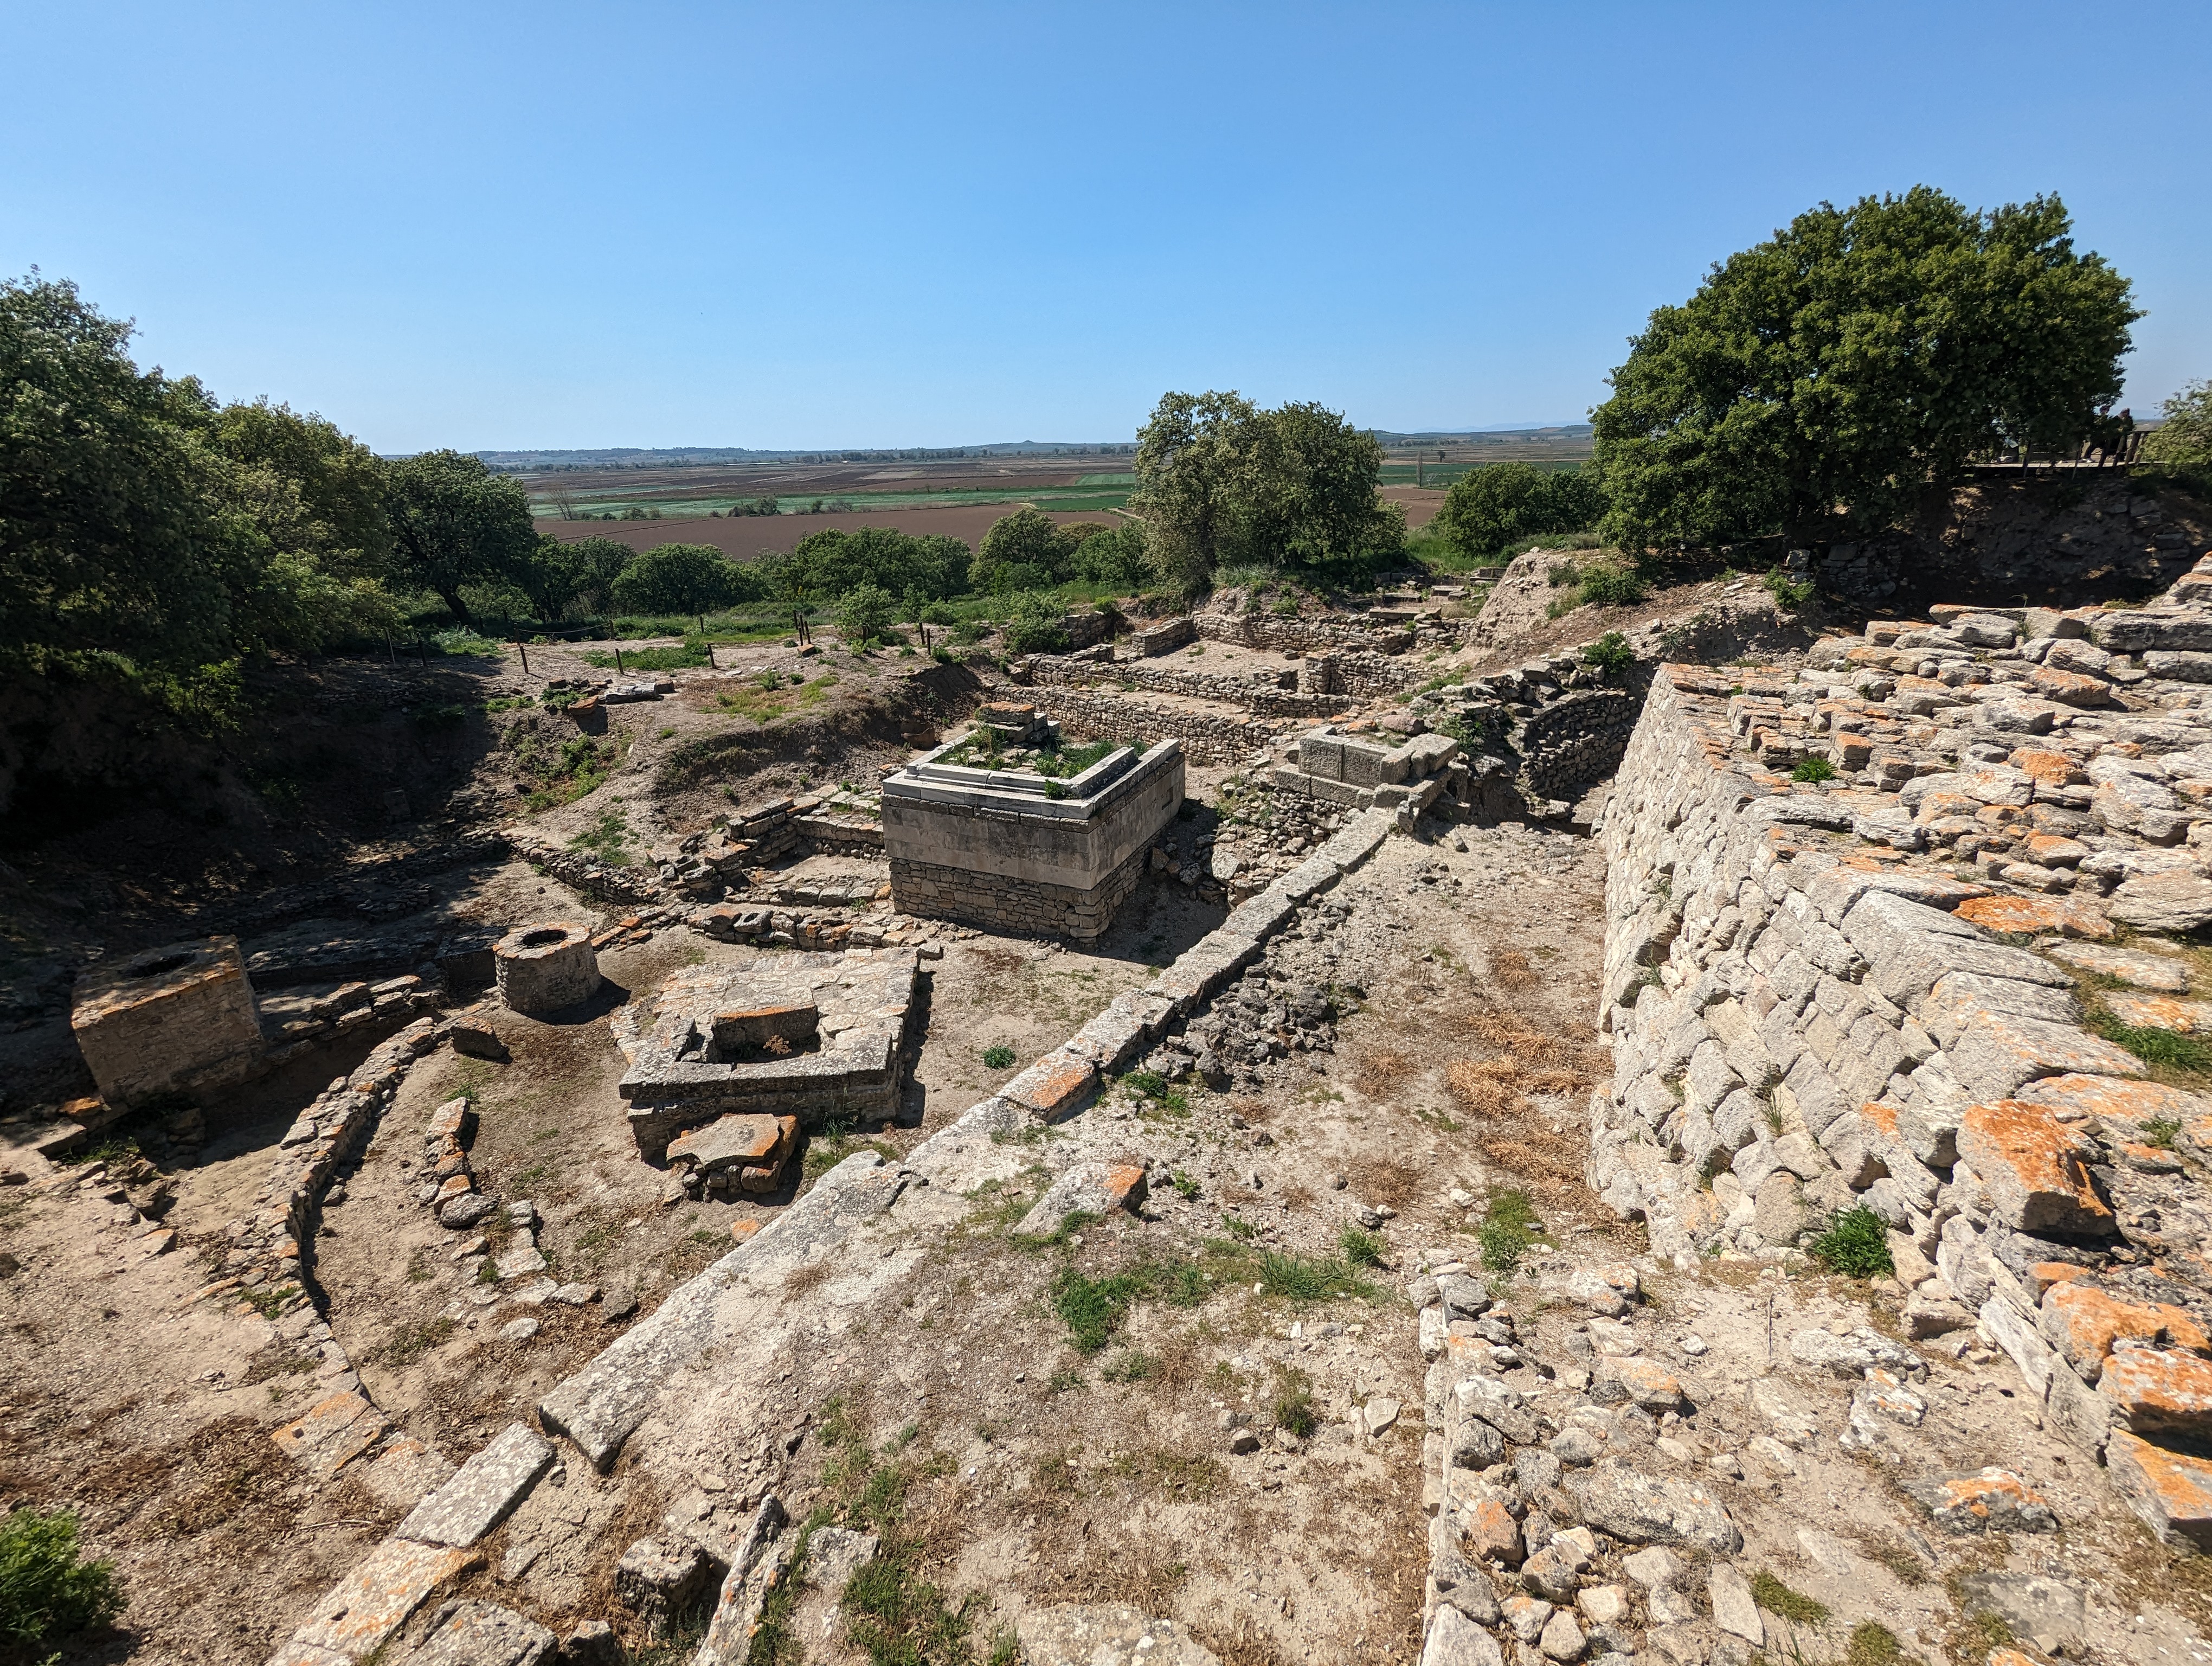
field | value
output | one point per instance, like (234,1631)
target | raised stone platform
(179,1018)
(1012,850)
(809,1036)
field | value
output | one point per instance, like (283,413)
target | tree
(322,491)
(1490,507)
(585,571)
(454,522)
(864,612)
(1193,465)
(677,578)
(1861,355)
(1037,625)
(1115,555)
(1220,482)
(2185,435)
(1029,544)
(832,563)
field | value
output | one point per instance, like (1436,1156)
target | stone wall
(1000,903)
(1270,694)
(1207,737)
(1285,633)
(1811,1014)
(1575,741)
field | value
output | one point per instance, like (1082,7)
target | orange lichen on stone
(2035,1168)
(2159,1390)
(2171,1492)
(1492,1534)
(2113,1097)
(2051,768)
(1880,1116)
(1123,1180)
(1055,1086)
(2070,688)
(2084,1322)
(742,1230)
(2023,914)
(2044,1273)
(2053,850)
(2185,1018)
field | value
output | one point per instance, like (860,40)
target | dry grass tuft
(804,1281)
(1485,1087)
(1381,1074)
(1254,1110)
(1385,1179)
(1511,970)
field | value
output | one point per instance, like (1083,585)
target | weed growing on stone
(1786,596)
(1892,1553)
(606,838)
(1187,1188)
(2159,1131)
(1814,769)
(1854,1244)
(1770,1594)
(410,1342)
(2162,1050)
(47,1590)
(997,1058)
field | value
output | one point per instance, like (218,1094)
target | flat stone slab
(1081,1634)
(477,1499)
(732,1140)
(485,1634)
(335,1430)
(2186,1017)
(1090,1189)
(375,1600)
(2166,974)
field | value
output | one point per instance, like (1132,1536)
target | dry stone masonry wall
(1864,992)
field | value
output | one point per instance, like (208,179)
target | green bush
(1814,769)
(1786,596)
(1854,1244)
(1608,586)
(1039,625)
(1489,506)
(1509,1227)
(1611,654)
(1361,1249)
(997,1058)
(47,1590)
(867,611)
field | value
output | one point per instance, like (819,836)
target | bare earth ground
(747,538)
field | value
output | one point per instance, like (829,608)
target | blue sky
(482,225)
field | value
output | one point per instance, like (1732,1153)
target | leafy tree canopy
(678,578)
(2185,435)
(826,565)
(149,533)
(1858,357)
(1221,482)
(1026,550)
(1490,507)
(454,522)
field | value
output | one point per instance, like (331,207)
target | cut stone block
(478,1498)
(2159,1391)
(2035,1167)
(335,1430)
(1091,1188)
(546,967)
(179,1018)
(485,1634)
(2171,1492)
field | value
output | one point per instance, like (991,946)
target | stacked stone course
(1811,1012)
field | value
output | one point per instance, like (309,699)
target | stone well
(179,1018)
(544,967)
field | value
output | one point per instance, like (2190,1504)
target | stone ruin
(802,1037)
(546,967)
(170,1020)
(1013,850)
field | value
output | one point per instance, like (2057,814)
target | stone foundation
(545,968)
(1025,907)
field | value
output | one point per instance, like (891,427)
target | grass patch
(1854,1244)
(690,654)
(1770,1594)
(1509,1227)
(410,1342)
(2159,1131)
(47,1589)
(1306,1278)
(1361,1247)
(1293,1406)
(606,838)
(1093,1309)
(1872,1644)
(825,1152)
(1156,1087)
(2163,1049)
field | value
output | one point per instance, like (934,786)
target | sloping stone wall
(1810,1011)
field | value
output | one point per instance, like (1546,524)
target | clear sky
(484,225)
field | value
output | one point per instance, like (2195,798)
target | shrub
(997,1058)
(1814,769)
(47,1590)
(1786,596)
(1509,1227)
(1610,653)
(1037,625)
(866,611)
(1609,587)
(1854,1244)
(1489,506)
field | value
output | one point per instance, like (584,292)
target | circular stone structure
(542,969)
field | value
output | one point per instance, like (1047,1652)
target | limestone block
(179,1017)
(2158,1392)
(2171,1492)
(484,1490)
(374,1601)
